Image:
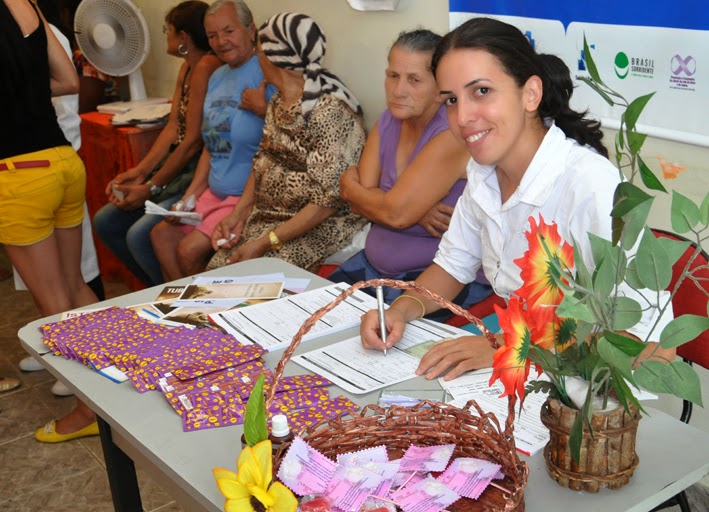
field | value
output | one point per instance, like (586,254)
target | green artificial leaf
(635,223)
(597,88)
(588,363)
(616,358)
(576,438)
(623,343)
(583,330)
(617,227)
(619,142)
(599,247)
(626,313)
(565,332)
(539,386)
(583,277)
(677,378)
(648,177)
(673,248)
(568,361)
(255,429)
(685,214)
(653,264)
(627,197)
(590,64)
(604,277)
(632,113)
(632,277)
(623,391)
(635,141)
(683,329)
(684,382)
(649,376)
(619,261)
(704,211)
(632,204)
(571,307)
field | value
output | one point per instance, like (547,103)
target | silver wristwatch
(154,189)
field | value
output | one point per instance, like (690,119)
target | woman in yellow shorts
(42,181)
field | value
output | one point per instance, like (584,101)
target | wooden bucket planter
(608,457)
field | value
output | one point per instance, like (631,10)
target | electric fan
(114,37)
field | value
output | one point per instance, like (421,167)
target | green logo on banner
(622,65)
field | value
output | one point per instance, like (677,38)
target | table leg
(121,472)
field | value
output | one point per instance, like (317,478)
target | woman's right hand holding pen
(369,329)
(400,312)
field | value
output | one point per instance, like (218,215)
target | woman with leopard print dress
(291,208)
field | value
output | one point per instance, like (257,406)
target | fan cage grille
(132,38)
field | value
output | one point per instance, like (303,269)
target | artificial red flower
(510,363)
(538,272)
(544,328)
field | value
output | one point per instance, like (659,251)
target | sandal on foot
(49,434)
(8,384)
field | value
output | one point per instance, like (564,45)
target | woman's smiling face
(487,110)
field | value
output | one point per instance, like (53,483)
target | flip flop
(8,384)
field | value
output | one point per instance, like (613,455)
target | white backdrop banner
(638,49)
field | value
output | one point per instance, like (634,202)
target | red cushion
(691,299)
(325,270)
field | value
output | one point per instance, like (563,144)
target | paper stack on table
(143,114)
(273,325)
(530,433)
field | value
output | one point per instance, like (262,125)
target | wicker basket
(475,435)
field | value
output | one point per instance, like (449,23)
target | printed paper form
(530,433)
(358,370)
(273,324)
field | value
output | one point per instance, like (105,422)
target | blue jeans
(358,268)
(127,235)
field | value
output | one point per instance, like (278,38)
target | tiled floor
(49,478)
(71,476)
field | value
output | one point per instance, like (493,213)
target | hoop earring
(182,49)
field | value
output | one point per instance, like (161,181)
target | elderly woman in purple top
(410,175)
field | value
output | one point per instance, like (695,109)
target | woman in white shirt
(531,155)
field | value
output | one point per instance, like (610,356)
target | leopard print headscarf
(295,41)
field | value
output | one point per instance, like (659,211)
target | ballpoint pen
(382,322)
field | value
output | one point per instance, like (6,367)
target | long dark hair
(519,60)
(188,17)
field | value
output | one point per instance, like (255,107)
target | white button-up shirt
(565,183)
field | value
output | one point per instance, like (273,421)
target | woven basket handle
(402,285)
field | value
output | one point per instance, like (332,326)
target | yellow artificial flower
(253,480)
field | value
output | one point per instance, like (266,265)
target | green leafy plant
(255,428)
(650,267)
(570,320)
